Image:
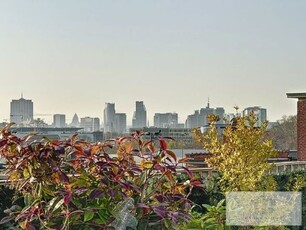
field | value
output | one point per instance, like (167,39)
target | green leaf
(28,199)
(88,216)
(220,203)
(26,173)
(207,206)
(59,204)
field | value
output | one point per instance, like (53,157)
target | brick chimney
(301,124)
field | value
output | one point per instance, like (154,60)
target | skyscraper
(21,111)
(90,124)
(120,123)
(219,111)
(59,120)
(200,117)
(109,117)
(165,120)
(140,116)
(261,114)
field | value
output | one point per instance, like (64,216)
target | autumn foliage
(240,154)
(73,184)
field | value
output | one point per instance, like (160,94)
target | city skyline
(73,56)
(113,121)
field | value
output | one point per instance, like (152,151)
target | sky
(73,56)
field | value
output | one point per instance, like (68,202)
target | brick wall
(301,129)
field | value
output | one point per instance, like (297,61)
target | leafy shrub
(78,185)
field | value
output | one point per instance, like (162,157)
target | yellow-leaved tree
(240,154)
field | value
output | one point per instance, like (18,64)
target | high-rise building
(200,118)
(261,114)
(75,121)
(109,117)
(90,124)
(204,112)
(21,111)
(120,123)
(192,120)
(59,120)
(140,116)
(220,112)
(166,120)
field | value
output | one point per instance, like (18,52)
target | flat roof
(297,95)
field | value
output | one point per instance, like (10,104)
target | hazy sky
(73,56)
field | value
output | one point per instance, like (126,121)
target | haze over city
(74,56)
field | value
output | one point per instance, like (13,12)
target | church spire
(207,103)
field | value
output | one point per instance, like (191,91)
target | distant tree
(284,134)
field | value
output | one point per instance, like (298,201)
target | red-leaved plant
(75,184)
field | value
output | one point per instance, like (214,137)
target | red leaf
(67,198)
(172,154)
(160,211)
(183,160)
(64,177)
(188,171)
(151,148)
(147,143)
(163,144)
(171,138)
(74,138)
(170,176)
(196,183)
(95,193)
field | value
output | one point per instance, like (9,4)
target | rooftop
(297,95)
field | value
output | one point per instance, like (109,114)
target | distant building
(90,124)
(91,136)
(59,120)
(120,123)
(179,134)
(228,117)
(114,122)
(50,132)
(200,117)
(192,120)
(21,111)
(166,120)
(220,112)
(75,121)
(140,116)
(204,112)
(261,114)
(109,117)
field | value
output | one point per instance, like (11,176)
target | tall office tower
(21,111)
(261,114)
(96,124)
(200,118)
(120,123)
(140,116)
(90,124)
(59,120)
(204,112)
(219,111)
(165,120)
(192,120)
(109,117)
(75,121)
